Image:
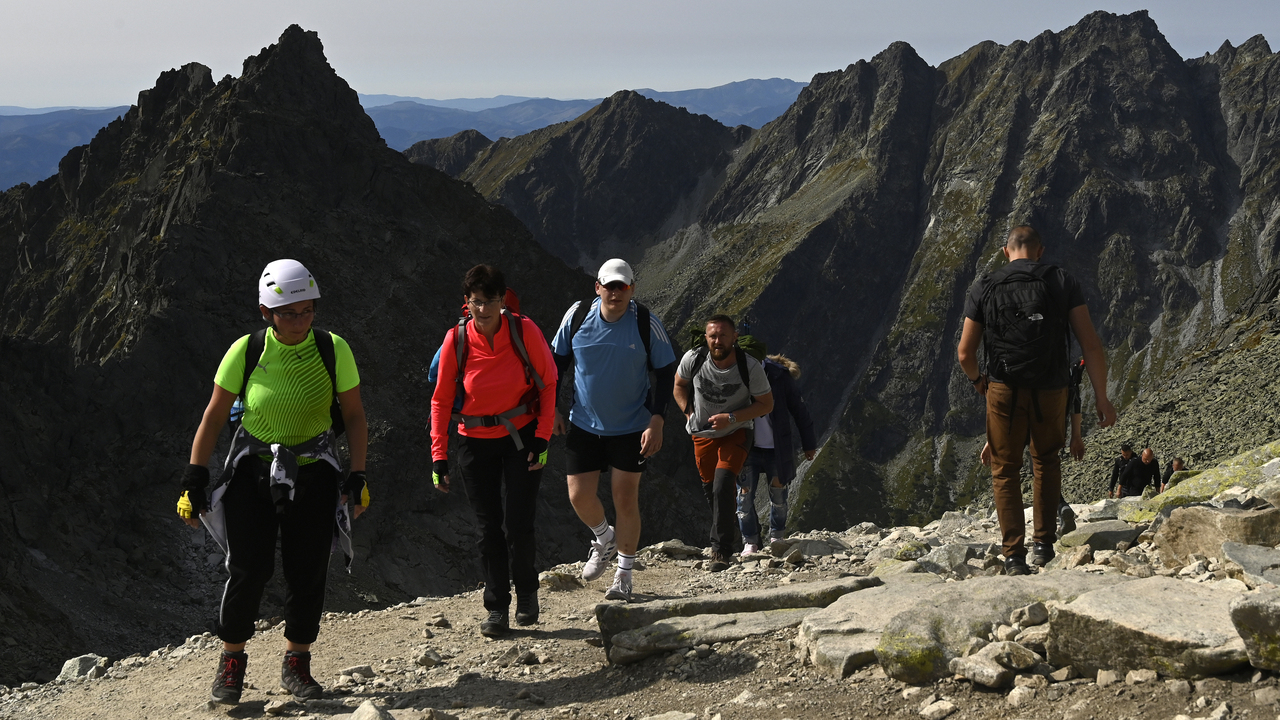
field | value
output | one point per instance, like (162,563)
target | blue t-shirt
(610,377)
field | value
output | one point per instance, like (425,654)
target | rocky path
(426,659)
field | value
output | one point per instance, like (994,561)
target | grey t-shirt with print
(717,391)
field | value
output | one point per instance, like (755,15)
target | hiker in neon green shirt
(282,478)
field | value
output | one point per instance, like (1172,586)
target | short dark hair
(722,319)
(1023,237)
(1179,460)
(1126,447)
(485,279)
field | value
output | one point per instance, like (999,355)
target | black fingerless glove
(356,488)
(538,447)
(439,471)
(193,500)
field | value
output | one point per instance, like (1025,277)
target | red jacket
(494,383)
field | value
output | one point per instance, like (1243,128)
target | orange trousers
(720,460)
(1016,418)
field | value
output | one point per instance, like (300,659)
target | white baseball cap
(615,270)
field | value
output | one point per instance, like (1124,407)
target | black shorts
(586,451)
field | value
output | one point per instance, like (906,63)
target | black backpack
(324,344)
(1026,334)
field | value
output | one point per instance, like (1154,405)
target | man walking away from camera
(1021,314)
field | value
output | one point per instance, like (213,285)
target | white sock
(626,562)
(603,531)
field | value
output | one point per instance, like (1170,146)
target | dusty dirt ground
(570,678)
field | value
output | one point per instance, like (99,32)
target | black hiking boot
(1066,520)
(1016,565)
(527,608)
(1041,553)
(295,676)
(229,683)
(496,625)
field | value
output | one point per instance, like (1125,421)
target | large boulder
(918,643)
(1202,530)
(1256,618)
(842,637)
(1249,469)
(1254,564)
(1179,629)
(618,618)
(90,666)
(686,632)
(1101,535)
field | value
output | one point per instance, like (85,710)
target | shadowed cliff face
(848,230)
(124,279)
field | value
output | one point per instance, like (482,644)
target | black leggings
(486,466)
(305,530)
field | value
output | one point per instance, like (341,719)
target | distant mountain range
(33,140)
(471,104)
(404,121)
(31,145)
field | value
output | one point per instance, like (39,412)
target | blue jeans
(760,460)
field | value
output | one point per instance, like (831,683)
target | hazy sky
(102,52)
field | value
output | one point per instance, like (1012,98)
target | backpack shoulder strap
(699,358)
(579,317)
(514,326)
(324,344)
(460,356)
(252,354)
(646,332)
(743,371)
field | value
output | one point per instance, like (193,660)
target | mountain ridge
(847,231)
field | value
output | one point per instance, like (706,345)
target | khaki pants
(1010,427)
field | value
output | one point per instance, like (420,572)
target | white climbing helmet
(284,282)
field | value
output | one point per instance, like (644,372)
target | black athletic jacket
(1137,475)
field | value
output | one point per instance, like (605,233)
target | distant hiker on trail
(772,453)
(300,388)
(612,343)
(1118,465)
(1020,314)
(497,383)
(1175,466)
(720,399)
(1140,472)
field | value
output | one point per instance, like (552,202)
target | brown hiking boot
(719,563)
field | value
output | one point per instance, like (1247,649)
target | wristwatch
(733,418)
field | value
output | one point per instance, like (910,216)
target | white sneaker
(621,587)
(600,557)
(750,549)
